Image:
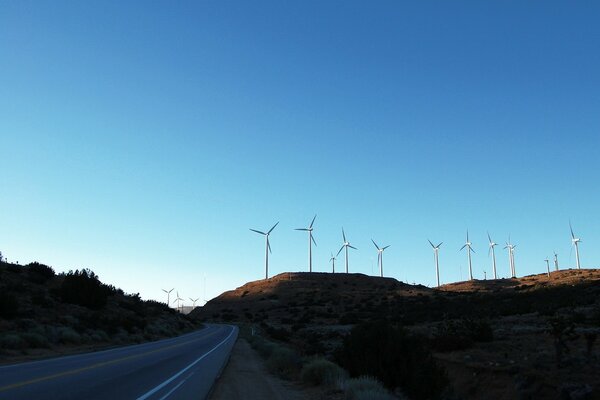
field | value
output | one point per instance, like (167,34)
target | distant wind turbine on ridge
(469,250)
(491,250)
(555,261)
(436,250)
(194,302)
(332,259)
(345,246)
(267,247)
(380,257)
(548,266)
(575,242)
(168,292)
(178,299)
(511,257)
(311,240)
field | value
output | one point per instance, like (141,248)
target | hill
(43,314)
(530,337)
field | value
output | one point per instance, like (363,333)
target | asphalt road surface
(184,367)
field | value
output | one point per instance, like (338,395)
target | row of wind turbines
(436,248)
(178,300)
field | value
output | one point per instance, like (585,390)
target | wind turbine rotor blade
(344,235)
(470,248)
(352,247)
(270,230)
(254,230)
(338,253)
(301,229)
(269,245)
(313,239)
(377,247)
(431,243)
(463,247)
(383,248)
(313,221)
(440,244)
(489,238)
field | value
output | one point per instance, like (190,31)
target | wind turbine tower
(469,250)
(311,240)
(345,246)
(555,261)
(194,302)
(491,250)
(168,292)
(547,266)
(267,249)
(511,257)
(575,242)
(380,256)
(436,250)
(332,259)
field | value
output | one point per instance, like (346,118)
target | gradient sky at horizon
(143,139)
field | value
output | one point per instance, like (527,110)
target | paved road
(184,367)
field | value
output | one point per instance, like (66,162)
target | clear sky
(143,139)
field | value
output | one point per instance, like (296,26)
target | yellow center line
(98,365)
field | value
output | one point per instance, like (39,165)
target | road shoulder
(246,378)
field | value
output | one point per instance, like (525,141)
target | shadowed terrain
(529,337)
(44,314)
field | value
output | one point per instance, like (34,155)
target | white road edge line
(165,383)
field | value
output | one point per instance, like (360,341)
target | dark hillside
(507,338)
(42,313)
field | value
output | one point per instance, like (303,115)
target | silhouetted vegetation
(461,334)
(393,356)
(82,287)
(9,305)
(39,273)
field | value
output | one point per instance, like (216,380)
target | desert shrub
(460,334)
(39,273)
(12,341)
(280,334)
(9,305)
(67,335)
(320,371)
(264,347)
(284,362)
(394,357)
(35,340)
(85,289)
(99,336)
(365,388)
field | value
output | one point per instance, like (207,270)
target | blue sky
(143,140)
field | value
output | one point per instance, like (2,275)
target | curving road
(184,367)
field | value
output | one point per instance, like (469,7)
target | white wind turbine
(469,250)
(575,242)
(555,261)
(511,257)
(332,259)
(311,240)
(436,250)
(194,302)
(267,248)
(178,299)
(491,250)
(168,292)
(345,245)
(380,257)
(548,266)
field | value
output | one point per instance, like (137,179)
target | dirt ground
(246,378)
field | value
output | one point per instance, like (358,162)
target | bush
(284,362)
(320,371)
(12,341)
(85,289)
(68,336)
(9,305)
(394,357)
(39,273)
(35,340)
(458,335)
(366,388)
